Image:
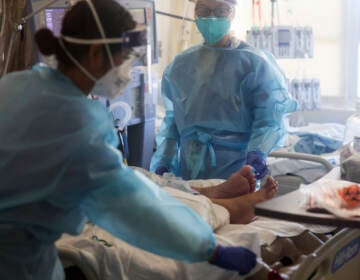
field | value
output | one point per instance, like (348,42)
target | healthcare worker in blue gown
(225,103)
(59,165)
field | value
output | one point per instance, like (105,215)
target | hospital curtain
(21,54)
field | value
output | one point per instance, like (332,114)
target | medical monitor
(53,18)
(144,12)
(284,36)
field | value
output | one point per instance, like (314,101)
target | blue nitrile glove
(238,258)
(257,161)
(161,170)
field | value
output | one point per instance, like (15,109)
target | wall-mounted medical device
(283,41)
(140,94)
(307,92)
(144,12)
(137,137)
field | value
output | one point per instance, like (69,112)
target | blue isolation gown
(221,103)
(59,166)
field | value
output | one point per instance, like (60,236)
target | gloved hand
(257,161)
(234,258)
(161,170)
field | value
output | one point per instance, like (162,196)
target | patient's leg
(239,183)
(241,208)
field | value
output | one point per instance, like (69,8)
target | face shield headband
(131,39)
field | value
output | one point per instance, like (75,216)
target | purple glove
(257,161)
(239,259)
(161,170)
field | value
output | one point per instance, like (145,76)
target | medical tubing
(126,109)
(174,16)
(43,7)
(7,61)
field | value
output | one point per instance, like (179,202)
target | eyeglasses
(222,11)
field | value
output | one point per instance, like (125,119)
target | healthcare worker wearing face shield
(59,165)
(225,103)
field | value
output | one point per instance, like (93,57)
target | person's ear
(96,60)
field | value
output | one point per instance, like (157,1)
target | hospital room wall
(331,44)
(173,34)
(332,63)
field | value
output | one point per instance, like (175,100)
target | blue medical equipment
(137,137)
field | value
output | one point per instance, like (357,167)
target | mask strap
(73,59)
(101,30)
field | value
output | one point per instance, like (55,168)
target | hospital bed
(345,243)
(298,251)
(291,168)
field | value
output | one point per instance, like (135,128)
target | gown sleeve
(133,208)
(167,139)
(270,103)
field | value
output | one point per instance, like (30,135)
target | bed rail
(302,156)
(291,182)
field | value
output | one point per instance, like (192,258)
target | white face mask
(113,83)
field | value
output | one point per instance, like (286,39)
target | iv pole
(272,12)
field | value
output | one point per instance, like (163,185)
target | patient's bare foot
(241,208)
(239,183)
(268,190)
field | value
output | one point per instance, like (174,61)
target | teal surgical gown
(221,103)
(59,166)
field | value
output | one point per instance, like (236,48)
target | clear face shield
(113,83)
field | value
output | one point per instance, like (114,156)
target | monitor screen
(284,37)
(146,15)
(53,18)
